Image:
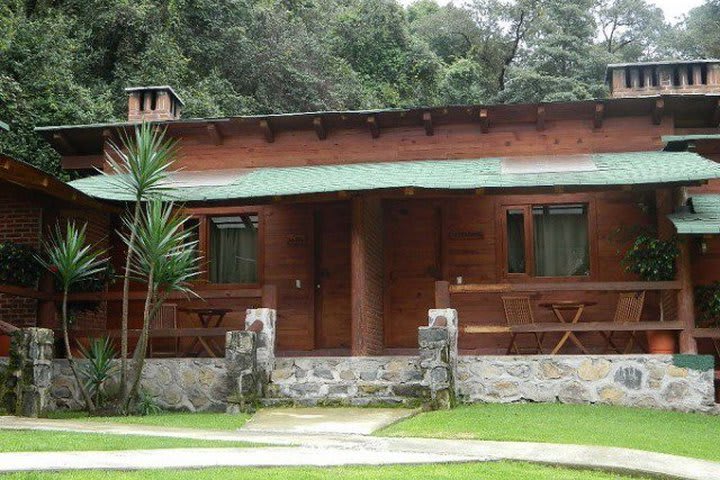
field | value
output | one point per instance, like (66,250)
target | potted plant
(653,260)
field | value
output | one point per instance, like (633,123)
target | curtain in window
(516,241)
(561,241)
(233,250)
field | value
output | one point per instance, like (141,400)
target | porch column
(685,296)
(367,265)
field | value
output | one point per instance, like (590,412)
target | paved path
(359,421)
(337,449)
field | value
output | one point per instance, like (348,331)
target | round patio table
(576,306)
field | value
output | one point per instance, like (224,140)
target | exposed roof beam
(267,131)
(657,112)
(484,120)
(214,133)
(427,122)
(320,128)
(540,123)
(62,140)
(373,126)
(599,115)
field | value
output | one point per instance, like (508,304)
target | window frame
(203,216)
(526,204)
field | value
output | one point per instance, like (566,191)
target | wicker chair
(518,311)
(166,318)
(629,310)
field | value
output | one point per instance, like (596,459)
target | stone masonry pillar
(29,372)
(242,370)
(265,340)
(438,356)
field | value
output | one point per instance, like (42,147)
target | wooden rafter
(373,126)
(427,123)
(214,133)
(320,129)
(484,120)
(267,131)
(599,115)
(657,112)
(540,123)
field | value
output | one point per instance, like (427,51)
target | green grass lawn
(691,435)
(484,471)
(202,420)
(51,441)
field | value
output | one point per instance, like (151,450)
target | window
(233,249)
(547,240)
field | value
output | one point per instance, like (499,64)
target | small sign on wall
(468,235)
(296,241)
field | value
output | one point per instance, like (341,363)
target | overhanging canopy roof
(514,172)
(704,218)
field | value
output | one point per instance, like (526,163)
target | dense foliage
(18,265)
(67,61)
(707,301)
(652,258)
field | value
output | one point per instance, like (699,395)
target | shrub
(18,265)
(651,258)
(100,368)
(707,301)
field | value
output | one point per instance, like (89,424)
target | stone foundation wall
(347,381)
(678,382)
(190,384)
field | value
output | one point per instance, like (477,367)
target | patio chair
(518,311)
(628,310)
(166,318)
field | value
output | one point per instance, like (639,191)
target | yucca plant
(139,165)
(71,259)
(99,368)
(163,258)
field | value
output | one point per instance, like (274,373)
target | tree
(698,35)
(630,29)
(164,258)
(140,167)
(71,259)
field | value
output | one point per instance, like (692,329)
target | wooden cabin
(354,224)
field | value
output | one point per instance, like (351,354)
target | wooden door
(332,276)
(413,264)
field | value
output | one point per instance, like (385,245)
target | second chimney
(153,103)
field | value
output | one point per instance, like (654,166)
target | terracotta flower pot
(4,345)
(661,341)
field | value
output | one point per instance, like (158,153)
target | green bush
(707,302)
(651,258)
(18,265)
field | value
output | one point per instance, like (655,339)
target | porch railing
(444,292)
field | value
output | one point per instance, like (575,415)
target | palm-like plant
(99,369)
(139,166)
(71,259)
(164,258)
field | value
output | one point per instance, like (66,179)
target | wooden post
(269,297)
(442,294)
(366,268)
(686,298)
(46,306)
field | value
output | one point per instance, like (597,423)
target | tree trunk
(141,348)
(126,306)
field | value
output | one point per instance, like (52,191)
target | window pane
(561,240)
(233,249)
(516,241)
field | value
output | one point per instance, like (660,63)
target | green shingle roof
(607,169)
(704,219)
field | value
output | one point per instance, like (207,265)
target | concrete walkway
(337,449)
